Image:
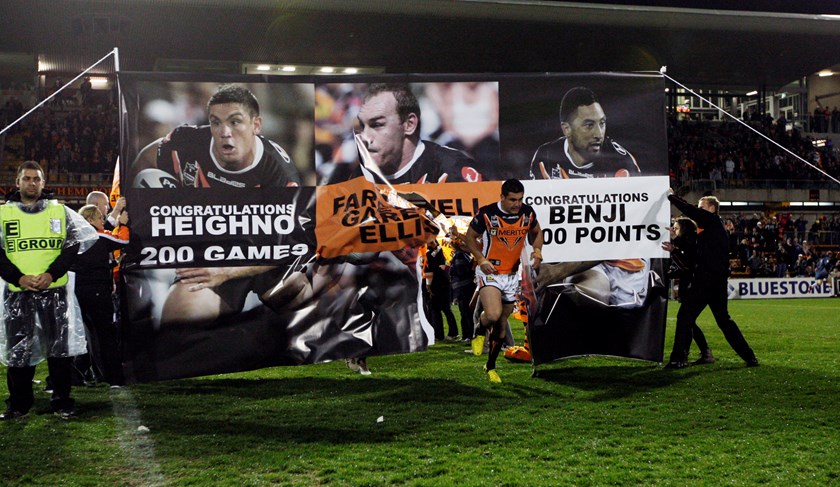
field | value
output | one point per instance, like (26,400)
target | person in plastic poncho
(40,319)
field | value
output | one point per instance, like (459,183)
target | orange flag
(115,184)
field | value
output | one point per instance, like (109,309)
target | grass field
(588,421)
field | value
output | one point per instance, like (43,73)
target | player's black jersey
(187,154)
(435,161)
(613,160)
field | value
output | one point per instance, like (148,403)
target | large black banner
(617,306)
(260,238)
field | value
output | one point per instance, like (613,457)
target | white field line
(137,446)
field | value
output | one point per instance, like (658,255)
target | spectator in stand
(797,248)
(771,232)
(58,100)
(729,166)
(85,91)
(729,224)
(758,237)
(814,232)
(826,119)
(781,128)
(781,259)
(756,265)
(808,249)
(804,266)
(716,176)
(744,252)
(835,271)
(790,253)
(13,109)
(785,225)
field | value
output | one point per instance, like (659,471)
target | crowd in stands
(781,246)
(729,153)
(69,136)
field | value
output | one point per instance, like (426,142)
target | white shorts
(508,284)
(608,285)
(628,289)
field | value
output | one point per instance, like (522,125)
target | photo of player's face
(586,132)
(234,135)
(382,131)
(512,202)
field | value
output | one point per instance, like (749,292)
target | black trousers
(463,295)
(697,333)
(441,305)
(707,290)
(97,308)
(699,337)
(19,380)
(21,309)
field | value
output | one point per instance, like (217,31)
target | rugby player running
(502,229)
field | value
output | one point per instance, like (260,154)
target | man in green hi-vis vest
(41,238)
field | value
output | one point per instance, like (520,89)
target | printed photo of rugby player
(416,133)
(214,135)
(225,275)
(227,153)
(216,182)
(568,138)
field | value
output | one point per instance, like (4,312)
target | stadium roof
(770,45)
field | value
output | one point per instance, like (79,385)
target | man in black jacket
(709,286)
